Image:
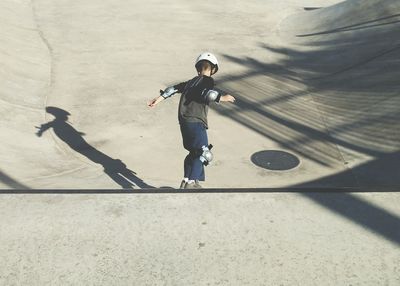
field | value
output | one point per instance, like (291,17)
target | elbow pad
(168,92)
(211,95)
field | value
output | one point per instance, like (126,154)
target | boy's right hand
(152,103)
(155,101)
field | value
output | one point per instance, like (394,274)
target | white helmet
(208,57)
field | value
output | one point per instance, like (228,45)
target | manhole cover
(275,160)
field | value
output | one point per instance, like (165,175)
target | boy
(197,94)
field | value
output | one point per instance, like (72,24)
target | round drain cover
(275,160)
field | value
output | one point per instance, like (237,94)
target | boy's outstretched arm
(168,92)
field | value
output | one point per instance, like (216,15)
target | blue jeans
(194,135)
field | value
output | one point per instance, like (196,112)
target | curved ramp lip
(203,191)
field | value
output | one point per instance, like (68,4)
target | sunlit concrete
(317,79)
(318,84)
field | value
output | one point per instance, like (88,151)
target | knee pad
(206,156)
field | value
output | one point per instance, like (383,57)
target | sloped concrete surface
(316,83)
(328,98)
(316,79)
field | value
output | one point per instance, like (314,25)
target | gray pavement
(316,79)
(200,239)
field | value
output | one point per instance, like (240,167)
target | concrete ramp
(314,86)
(329,92)
(27,82)
(347,55)
(297,192)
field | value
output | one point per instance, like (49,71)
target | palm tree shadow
(114,168)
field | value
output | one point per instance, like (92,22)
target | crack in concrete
(336,146)
(52,76)
(49,48)
(51,69)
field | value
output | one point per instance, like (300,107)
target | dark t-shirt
(193,106)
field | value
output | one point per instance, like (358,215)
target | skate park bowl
(303,186)
(320,84)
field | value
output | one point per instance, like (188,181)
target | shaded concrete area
(9,182)
(329,91)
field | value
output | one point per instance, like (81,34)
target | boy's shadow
(114,168)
